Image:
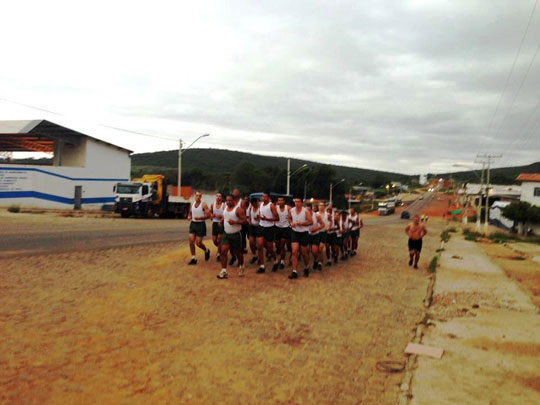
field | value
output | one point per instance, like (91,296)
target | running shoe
(306,272)
(192,262)
(207,255)
(260,270)
(223,275)
(294,274)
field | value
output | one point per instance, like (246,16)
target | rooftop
(529,177)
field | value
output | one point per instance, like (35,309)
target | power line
(513,66)
(99,124)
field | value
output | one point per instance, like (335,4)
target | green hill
(503,175)
(225,161)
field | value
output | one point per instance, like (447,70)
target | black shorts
(198,228)
(356,233)
(233,240)
(300,237)
(415,244)
(314,239)
(283,233)
(217,229)
(323,237)
(331,239)
(347,235)
(253,230)
(266,232)
(339,241)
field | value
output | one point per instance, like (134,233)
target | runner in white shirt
(323,234)
(253,220)
(314,234)
(300,220)
(266,232)
(198,214)
(283,229)
(216,212)
(233,218)
(357,224)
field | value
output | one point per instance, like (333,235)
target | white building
(423,179)
(82,174)
(530,188)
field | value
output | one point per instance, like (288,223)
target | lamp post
(332,187)
(289,175)
(180,152)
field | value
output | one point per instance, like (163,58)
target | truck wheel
(124,214)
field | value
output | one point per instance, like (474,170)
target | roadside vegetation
(14,208)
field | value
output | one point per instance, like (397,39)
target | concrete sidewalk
(489,329)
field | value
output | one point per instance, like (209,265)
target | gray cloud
(406,86)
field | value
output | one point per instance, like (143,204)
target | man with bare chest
(416,231)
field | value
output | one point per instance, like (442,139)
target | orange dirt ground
(136,325)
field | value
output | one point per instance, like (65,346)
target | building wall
(74,155)
(105,160)
(54,187)
(527,192)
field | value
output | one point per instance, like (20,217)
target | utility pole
(288,176)
(489,159)
(178,191)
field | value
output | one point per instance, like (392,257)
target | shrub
(445,236)
(453,230)
(433,264)
(502,237)
(471,235)
(14,208)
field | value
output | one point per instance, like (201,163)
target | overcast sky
(404,86)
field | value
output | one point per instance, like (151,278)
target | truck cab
(133,198)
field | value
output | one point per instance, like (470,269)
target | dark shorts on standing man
(415,244)
(300,237)
(233,240)
(283,233)
(323,237)
(217,229)
(355,233)
(314,239)
(198,228)
(266,232)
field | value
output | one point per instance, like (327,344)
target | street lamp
(180,153)
(332,187)
(289,175)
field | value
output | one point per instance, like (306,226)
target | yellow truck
(147,196)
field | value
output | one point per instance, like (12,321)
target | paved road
(71,234)
(62,237)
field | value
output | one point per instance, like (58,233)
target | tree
(522,212)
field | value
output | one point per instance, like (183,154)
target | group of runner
(271,230)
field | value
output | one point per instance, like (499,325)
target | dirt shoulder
(489,329)
(138,325)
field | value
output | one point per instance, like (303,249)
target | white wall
(107,160)
(527,192)
(54,187)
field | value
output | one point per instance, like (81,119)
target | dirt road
(136,325)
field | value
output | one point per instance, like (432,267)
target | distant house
(530,187)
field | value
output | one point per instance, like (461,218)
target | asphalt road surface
(66,236)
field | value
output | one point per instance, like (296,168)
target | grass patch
(503,237)
(433,264)
(445,236)
(14,208)
(471,235)
(452,230)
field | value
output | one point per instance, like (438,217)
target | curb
(405,387)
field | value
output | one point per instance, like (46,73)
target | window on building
(537,191)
